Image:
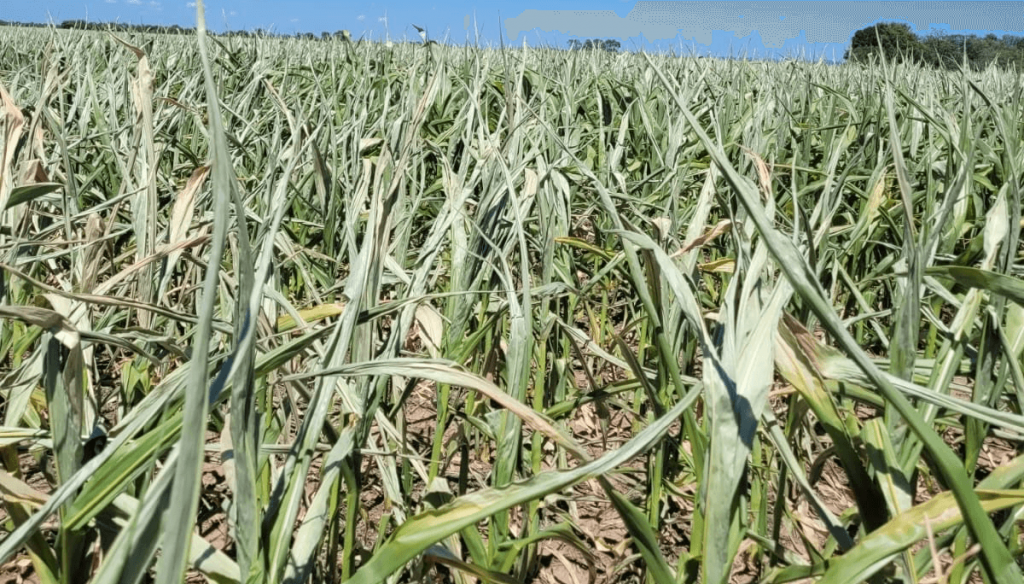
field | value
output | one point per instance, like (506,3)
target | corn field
(293,311)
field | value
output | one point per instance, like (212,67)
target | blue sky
(284,16)
(377,19)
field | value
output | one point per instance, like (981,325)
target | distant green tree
(610,45)
(944,51)
(893,39)
(988,50)
(947,51)
(1013,41)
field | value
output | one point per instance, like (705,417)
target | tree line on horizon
(939,49)
(895,40)
(79,25)
(610,45)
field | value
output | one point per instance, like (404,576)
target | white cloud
(111,1)
(136,2)
(233,13)
(295,20)
(191,5)
(361,17)
(154,4)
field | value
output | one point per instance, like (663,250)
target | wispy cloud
(233,13)
(191,5)
(135,2)
(295,20)
(154,4)
(111,1)
(361,17)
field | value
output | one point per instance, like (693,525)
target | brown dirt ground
(609,557)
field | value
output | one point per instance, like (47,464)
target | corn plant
(400,313)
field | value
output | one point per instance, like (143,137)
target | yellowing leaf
(719,266)
(314,314)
